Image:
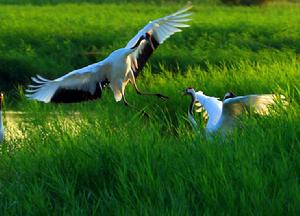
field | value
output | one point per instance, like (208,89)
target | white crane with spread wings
(222,115)
(119,68)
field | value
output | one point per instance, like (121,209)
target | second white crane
(222,115)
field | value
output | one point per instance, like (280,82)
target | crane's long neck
(191,106)
(190,111)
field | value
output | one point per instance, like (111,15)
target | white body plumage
(117,69)
(222,115)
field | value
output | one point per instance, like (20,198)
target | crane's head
(229,95)
(188,91)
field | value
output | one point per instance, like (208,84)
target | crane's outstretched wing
(233,107)
(79,85)
(158,30)
(212,106)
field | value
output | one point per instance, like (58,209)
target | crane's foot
(142,112)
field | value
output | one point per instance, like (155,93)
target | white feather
(115,67)
(162,28)
(213,107)
(222,115)
(83,79)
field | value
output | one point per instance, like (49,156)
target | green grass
(100,157)
(47,2)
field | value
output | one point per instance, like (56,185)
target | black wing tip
(75,96)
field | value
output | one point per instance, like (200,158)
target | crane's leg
(163,97)
(132,80)
(126,102)
(122,87)
(133,107)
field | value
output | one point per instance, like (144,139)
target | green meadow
(102,158)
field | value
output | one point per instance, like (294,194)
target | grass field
(100,157)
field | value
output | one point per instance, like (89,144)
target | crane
(222,115)
(119,68)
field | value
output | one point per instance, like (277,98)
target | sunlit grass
(101,157)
